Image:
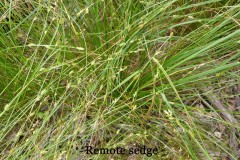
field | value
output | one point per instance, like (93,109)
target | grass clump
(119,73)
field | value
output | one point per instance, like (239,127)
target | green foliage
(113,73)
